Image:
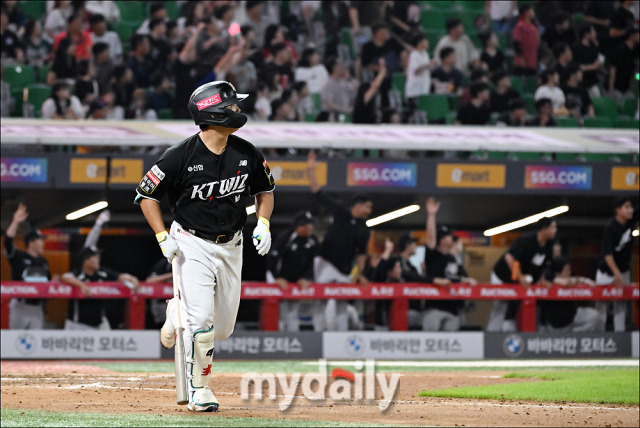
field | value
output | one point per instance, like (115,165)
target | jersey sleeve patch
(267,171)
(157,172)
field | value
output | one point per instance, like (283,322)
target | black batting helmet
(208,103)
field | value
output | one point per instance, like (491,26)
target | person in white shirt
(549,89)
(466,53)
(61,104)
(57,19)
(312,71)
(99,33)
(108,9)
(503,15)
(419,68)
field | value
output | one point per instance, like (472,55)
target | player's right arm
(19,216)
(432,206)
(70,279)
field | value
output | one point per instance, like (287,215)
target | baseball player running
(206,177)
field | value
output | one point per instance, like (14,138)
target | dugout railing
(271,294)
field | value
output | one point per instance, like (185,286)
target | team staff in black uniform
(615,258)
(291,261)
(442,315)
(206,178)
(28,266)
(525,262)
(343,251)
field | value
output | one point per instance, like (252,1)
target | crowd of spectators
(360,62)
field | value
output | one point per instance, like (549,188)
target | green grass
(39,418)
(615,386)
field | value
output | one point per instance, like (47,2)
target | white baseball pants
(618,307)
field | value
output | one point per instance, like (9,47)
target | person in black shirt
(475,112)
(9,41)
(503,93)
(560,32)
(447,79)
(379,48)
(567,315)
(279,65)
(291,261)
(524,263)
(343,252)
(614,266)
(578,101)
(29,266)
(599,13)
(622,67)
(88,314)
(367,105)
(442,315)
(493,59)
(621,21)
(563,60)
(516,116)
(544,107)
(585,53)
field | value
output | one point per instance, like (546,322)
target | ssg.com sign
(558,177)
(26,170)
(382,174)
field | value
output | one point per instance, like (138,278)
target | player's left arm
(261,234)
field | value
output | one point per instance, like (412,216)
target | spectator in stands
(567,315)
(281,111)
(290,261)
(211,43)
(503,15)
(614,266)
(80,39)
(335,17)
(578,101)
(622,67)
(549,89)
(56,21)
(418,70)
(311,70)
(156,10)
(524,263)
(342,254)
(100,34)
(367,106)
(103,65)
(374,50)
(139,108)
(108,9)
(447,79)
(160,97)
(563,60)
(305,102)
(478,75)
(61,104)
(6,100)
(525,43)
(467,55)
(476,111)
(363,14)
(339,93)
(28,265)
(491,58)
(502,93)
(9,41)
(138,61)
(17,18)
(224,15)
(86,87)
(516,116)
(105,108)
(37,51)
(621,21)
(441,315)
(598,14)
(64,63)
(280,66)
(262,105)
(159,48)
(122,85)
(544,116)
(585,53)
(244,73)
(273,35)
(560,32)
(185,75)
(257,20)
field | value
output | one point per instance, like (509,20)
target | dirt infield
(83,388)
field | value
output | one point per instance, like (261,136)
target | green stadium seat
(16,93)
(567,122)
(432,20)
(172,9)
(38,93)
(310,117)
(529,156)
(346,38)
(596,157)
(164,114)
(454,101)
(598,122)
(133,11)
(19,76)
(605,107)
(436,106)
(629,107)
(627,124)
(317,102)
(125,29)
(470,5)
(530,102)
(43,71)
(565,157)
(34,9)
(517,84)
(398,81)
(496,156)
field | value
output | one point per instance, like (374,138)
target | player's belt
(218,239)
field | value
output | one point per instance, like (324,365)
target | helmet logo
(207,102)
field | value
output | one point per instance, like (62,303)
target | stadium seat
(133,11)
(454,101)
(310,117)
(529,156)
(38,93)
(432,20)
(34,9)
(125,29)
(599,122)
(16,93)
(530,102)
(19,76)
(567,122)
(43,71)
(626,123)
(346,38)
(605,107)
(398,81)
(317,102)
(470,5)
(165,114)
(565,157)
(596,157)
(629,107)
(436,106)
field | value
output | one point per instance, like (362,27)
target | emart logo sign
(471,176)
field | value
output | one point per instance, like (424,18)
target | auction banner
(383,174)
(287,173)
(557,345)
(625,178)
(80,344)
(25,170)
(467,175)
(558,177)
(404,345)
(88,170)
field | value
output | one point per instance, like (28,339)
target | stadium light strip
(392,215)
(525,221)
(251,209)
(87,210)
(635,232)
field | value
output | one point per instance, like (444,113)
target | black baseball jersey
(617,241)
(439,265)
(206,191)
(90,311)
(291,256)
(533,258)
(25,267)
(346,237)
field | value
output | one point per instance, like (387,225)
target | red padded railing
(271,295)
